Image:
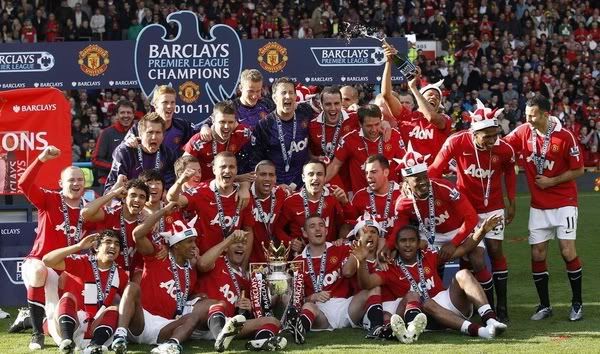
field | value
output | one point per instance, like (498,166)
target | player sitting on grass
(87,319)
(225,280)
(329,303)
(414,270)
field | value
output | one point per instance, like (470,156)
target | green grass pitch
(552,335)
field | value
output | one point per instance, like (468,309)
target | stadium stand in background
(501,53)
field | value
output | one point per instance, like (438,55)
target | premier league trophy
(276,283)
(406,67)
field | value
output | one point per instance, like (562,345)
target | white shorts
(336,312)
(443,299)
(153,324)
(391,306)
(545,224)
(440,238)
(497,233)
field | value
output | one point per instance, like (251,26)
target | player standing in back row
(553,162)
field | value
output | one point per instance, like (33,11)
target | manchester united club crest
(169,219)
(427,270)
(189,92)
(93,60)
(495,158)
(438,202)
(555,148)
(272,57)
(333,260)
(388,147)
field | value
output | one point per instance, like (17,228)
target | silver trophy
(406,67)
(278,282)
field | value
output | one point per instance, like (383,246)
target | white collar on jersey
(328,244)
(321,117)
(213,187)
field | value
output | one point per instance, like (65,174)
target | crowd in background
(498,52)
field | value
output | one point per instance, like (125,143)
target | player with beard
(428,127)
(227,135)
(163,307)
(313,199)
(177,131)
(267,202)
(223,278)
(379,197)
(110,138)
(483,160)
(326,130)
(328,271)
(282,136)
(413,272)
(369,232)
(217,205)
(151,153)
(60,224)
(88,320)
(356,146)
(445,217)
(552,163)
(122,219)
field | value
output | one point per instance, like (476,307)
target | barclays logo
(348,56)
(12,267)
(212,64)
(26,62)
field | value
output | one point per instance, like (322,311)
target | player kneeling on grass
(328,270)
(88,318)
(162,308)
(369,232)
(224,280)
(414,271)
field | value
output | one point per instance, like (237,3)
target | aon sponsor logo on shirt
(421,134)
(440,219)
(478,172)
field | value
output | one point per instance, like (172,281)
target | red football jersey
(315,131)
(264,224)
(288,226)
(452,211)
(315,137)
(425,138)
(203,151)
(217,284)
(354,149)
(208,225)
(81,267)
(51,233)
(159,292)
(112,220)
(397,283)
(475,167)
(563,155)
(361,203)
(333,280)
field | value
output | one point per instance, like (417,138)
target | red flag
(30,120)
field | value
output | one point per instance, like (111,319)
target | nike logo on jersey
(212,203)
(467,154)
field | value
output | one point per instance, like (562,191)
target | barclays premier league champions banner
(203,71)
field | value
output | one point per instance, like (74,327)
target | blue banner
(202,70)
(16,240)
